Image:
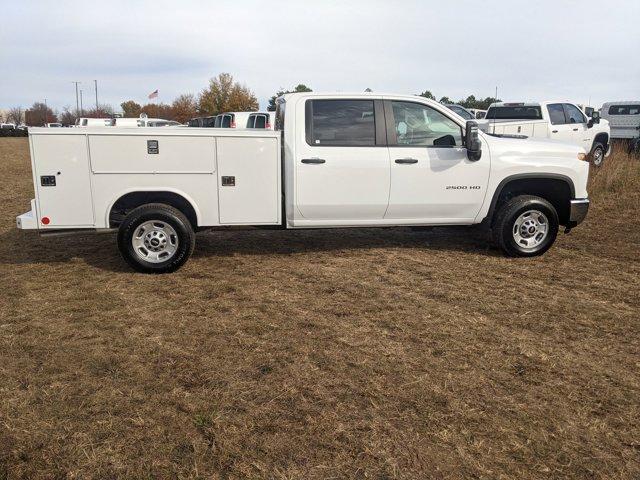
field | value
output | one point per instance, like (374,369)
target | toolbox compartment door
(63,184)
(248,180)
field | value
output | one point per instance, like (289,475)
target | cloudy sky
(530,50)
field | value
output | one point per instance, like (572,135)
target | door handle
(554,131)
(575,129)
(313,161)
(406,161)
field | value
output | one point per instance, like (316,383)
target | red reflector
(45,220)
(268,126)
(233,124)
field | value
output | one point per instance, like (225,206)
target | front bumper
(578,211)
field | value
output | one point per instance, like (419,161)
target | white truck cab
(334,160)
(561,121)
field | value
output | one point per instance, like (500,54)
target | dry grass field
(377,354)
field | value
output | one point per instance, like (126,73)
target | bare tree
(16,115)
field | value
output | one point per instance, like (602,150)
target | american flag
(154,94)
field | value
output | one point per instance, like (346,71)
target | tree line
(223,94)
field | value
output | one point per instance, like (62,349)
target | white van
(94,122)
(144,122)
(623,117)
(232,120)
(265,120)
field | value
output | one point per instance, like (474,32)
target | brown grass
(320,354)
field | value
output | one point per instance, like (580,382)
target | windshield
(515,113)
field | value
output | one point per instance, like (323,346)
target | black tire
(164,214)
(505,223)
(597,154)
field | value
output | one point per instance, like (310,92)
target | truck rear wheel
(156,238)
(525,226)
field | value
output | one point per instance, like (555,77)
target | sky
(583,51)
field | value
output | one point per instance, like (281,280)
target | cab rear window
(514,113)
(624,110)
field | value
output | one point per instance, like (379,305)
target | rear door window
(348,123)
(260,121)
(226,121)
(217,121)
(251,121)
(556,114)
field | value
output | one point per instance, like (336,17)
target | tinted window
(556,114)
(624,110)
(260,121)
(226,121)
(342,122)
(573,114)
(251,121)
(418,124)
(514,113)
(217,121)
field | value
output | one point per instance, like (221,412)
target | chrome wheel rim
(597,157)
(530,229)
(155,241)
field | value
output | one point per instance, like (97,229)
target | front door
(578,122)
(432,180)
(341,161)
(561,129)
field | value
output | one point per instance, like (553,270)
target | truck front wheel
(525,226)
(156,238)
(597,154)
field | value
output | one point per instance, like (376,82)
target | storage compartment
(152,154)
(248,180)
(63,185)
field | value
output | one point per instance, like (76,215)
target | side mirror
(472,141)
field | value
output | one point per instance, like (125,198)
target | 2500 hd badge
(463,187)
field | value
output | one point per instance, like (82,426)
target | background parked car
(232,120)
(264,120)
(623,117)
(479,114)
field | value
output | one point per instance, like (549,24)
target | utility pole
(45,112)
(496,97)
(81,109)
(95,82)
(77,104)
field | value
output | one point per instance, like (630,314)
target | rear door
(341,161)
(432,180)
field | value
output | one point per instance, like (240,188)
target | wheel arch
(603,138)
(133,198)
(557,189)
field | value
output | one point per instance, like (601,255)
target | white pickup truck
(553,120)
(334,160)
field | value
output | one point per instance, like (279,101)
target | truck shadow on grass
(101,251)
